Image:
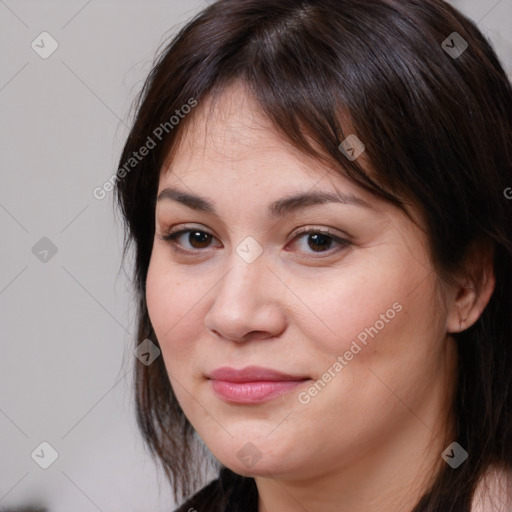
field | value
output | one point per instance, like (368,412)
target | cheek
(348,306)
(384,337)
(380,317)
(174,310)
(380,349)
(174,307)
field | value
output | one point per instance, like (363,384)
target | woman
(316,194)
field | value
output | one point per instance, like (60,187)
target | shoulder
(227,493)
(494,491)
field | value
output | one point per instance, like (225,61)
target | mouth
(253,384)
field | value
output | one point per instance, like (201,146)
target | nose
(246,305)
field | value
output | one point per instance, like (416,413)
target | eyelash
(173,235)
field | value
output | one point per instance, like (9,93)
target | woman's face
(353,316)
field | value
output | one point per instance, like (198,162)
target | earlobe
(470,302)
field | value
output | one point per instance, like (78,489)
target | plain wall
(67,323)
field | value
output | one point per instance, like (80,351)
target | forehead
(229,142)
(231,153)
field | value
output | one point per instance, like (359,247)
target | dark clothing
(228,493)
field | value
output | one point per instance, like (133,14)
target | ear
(470,300)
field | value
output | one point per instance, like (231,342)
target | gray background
(66,323)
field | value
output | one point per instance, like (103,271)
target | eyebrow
(278,208)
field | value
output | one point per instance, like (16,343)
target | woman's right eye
(197,238)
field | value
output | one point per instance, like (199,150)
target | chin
(262,468)
(256,458)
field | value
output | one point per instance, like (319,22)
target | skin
(372,437)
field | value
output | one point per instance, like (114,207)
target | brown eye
(200,238)
(319,241)
(197,238)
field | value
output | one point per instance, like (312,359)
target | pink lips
(252,384)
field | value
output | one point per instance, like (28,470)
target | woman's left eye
(322,240)
(319,240)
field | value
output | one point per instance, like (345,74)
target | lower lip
(253,392)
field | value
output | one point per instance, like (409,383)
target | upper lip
(251,374)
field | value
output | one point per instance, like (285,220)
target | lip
(253,384)
(252,374)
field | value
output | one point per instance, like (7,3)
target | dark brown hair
(438,133)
